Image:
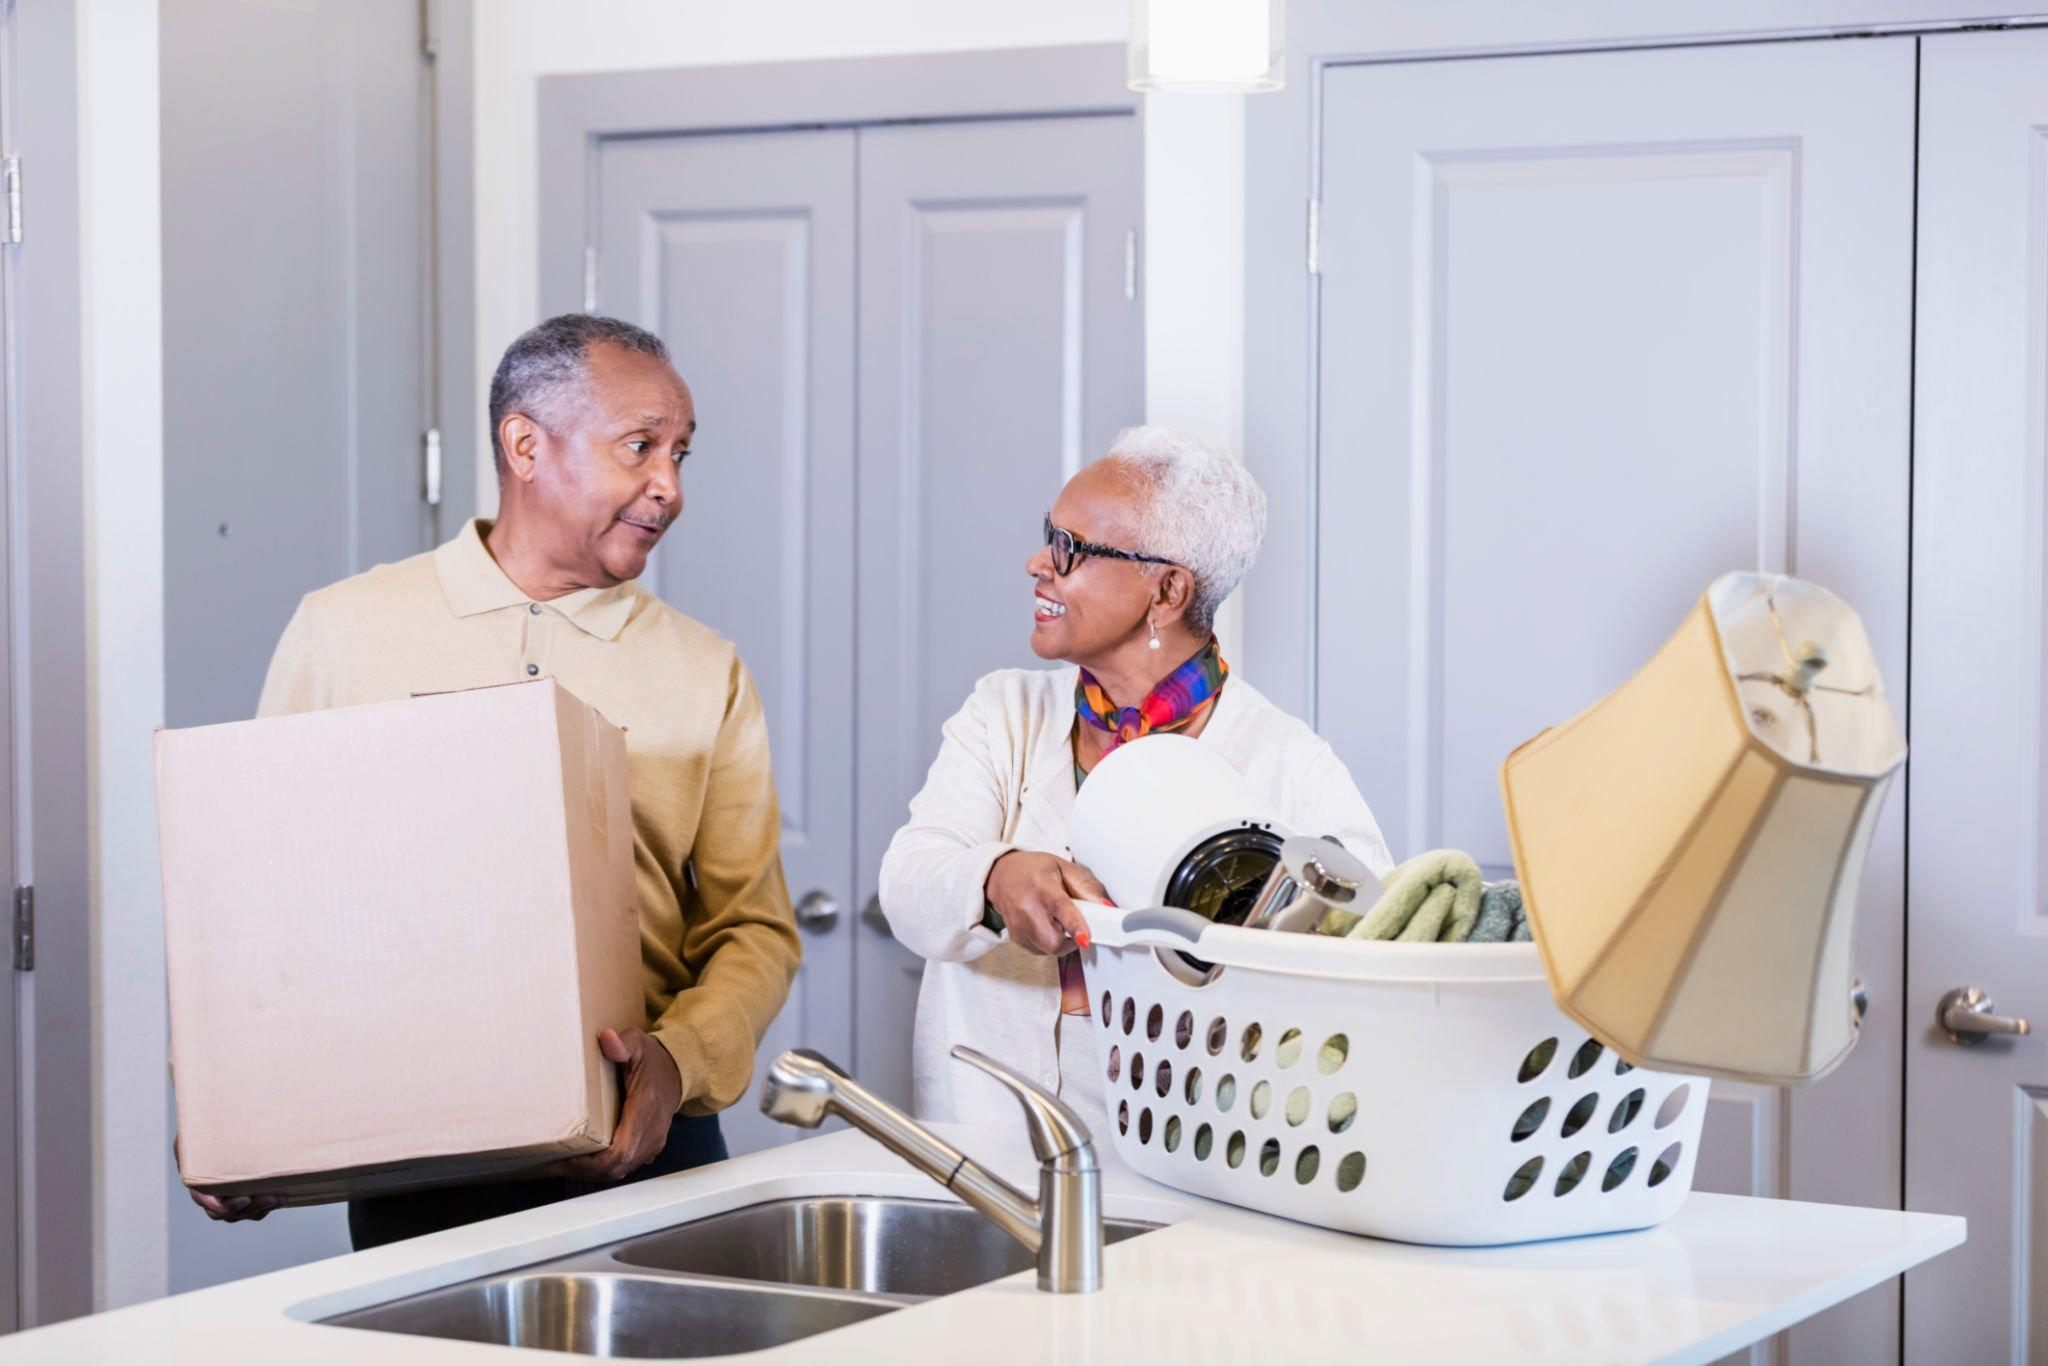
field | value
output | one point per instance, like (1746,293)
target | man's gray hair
(1198,508)
(547,368)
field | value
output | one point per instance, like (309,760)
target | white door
(1977,1127)
(1594,329)
(738,251)
(1001,348)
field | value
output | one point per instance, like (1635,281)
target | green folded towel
(1432,898)
(1501,917)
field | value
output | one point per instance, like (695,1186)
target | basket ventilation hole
(1108,1009)
(1343,1110)
(1173,1134)
(1162,1078)
(1287,1052)
(1116,1064)
(1123,1116)
(1625,1113)
(1262,1099)
(1298,1102)
(1233,1151)
(1155,1020)
(1205,1140)
(1269,1157)
(1184,1029)
(1249,1050)
(1583,1060)
(1528,1123)
(1578,1117)
(1137,1071)
(1333,1053)
(1305,1166)
(1145,1126)
(1622,1067)
(1193,1087)
(1350,1171)
(1573,1173)
(1219,1034)
(1524,1177)
(1538,1059)
(1666,1163)
(1226,1093)
(1130,1014)
(1673,1107)
(1617,1171)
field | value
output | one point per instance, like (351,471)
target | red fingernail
(1082,939)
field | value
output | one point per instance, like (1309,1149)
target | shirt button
(532,669)
(533,607)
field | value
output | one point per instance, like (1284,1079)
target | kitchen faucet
(1063,1228)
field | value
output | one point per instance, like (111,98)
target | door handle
(817,911)
(872,917)
(1964,1014)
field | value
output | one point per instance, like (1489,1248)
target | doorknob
(1964,1014)
(817,911)
(872,917)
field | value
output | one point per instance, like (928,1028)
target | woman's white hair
(1197,507)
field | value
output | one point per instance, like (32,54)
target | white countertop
(1221,1285)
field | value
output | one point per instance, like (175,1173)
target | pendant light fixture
(1207,45)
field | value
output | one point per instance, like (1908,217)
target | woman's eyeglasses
(1068,550)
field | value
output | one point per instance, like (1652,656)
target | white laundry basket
(1377,1087)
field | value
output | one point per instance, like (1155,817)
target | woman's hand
(1034,894)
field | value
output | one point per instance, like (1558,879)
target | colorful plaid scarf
(1176,700)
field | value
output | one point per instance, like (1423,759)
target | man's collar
(473,583)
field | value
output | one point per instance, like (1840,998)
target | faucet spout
(1063,1227)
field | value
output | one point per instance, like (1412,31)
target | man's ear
(519,438)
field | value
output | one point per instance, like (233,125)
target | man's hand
(1034,893)
(653,1091)
(230,1209)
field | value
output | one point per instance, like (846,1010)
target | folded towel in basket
(1432,898)
(1501,916)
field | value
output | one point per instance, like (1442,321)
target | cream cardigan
(1003,780)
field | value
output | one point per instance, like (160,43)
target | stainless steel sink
(911,1248)
(613,1315)
(740,1281)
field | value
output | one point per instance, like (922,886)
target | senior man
(591,425)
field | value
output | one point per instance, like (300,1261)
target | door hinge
(13,175)
(431,481)
(25,929)
(430,37)
(1315,237)
(590,279)
(1130,264)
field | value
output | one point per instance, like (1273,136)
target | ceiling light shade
(1214,45)
(1691,845)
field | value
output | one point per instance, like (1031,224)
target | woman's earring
(1153,643)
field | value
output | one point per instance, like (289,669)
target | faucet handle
(1056,1131)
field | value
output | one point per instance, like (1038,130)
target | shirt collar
(473,583)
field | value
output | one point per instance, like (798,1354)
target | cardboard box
(393,933)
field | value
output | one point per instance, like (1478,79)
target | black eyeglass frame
(1078,550)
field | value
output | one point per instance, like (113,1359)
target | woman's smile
(1048,609)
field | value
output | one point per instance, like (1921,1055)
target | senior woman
(1140,550)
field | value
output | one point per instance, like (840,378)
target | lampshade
(1691,845)
(1207,45)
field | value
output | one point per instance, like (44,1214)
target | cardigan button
(532,669)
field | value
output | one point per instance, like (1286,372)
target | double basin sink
(740,1281)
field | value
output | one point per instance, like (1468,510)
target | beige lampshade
(1690,846)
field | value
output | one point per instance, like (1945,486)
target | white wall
(1194,154)
(122,367)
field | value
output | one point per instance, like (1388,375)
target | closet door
(1595,329)
(1977,1131)
(738,252)
(1001,349)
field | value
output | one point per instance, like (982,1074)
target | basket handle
(1151,923)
